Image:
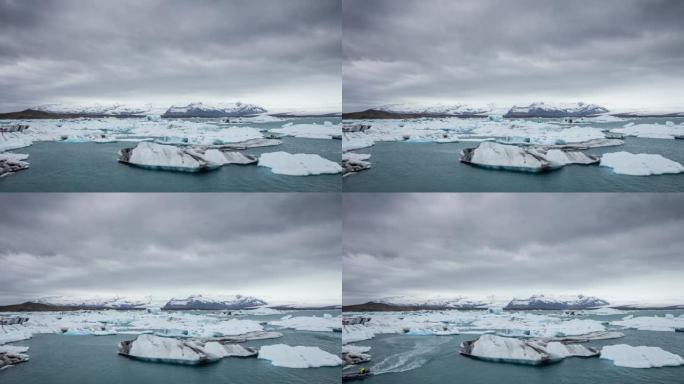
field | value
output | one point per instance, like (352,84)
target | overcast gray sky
(618,53)
(281,247)
(622,247)
(280,54)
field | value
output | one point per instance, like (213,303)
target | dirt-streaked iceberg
(519,351)
(524,159)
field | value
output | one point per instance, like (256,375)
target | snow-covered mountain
(100,109)
(556,302)
(199,109)
(97,302)
(214,302)
(458,302)
(556,110)
(438,109)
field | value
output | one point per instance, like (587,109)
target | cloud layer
(280,54)
(621,53)
(619,246)
(283,247)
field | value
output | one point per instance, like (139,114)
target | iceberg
(165,350)
(652,131)
(518,351)
(166,157)
(215,348)
(641,164)
(14,140)
(523,159)
(12,162)
(309,323)
(310,131)
(299,164)
(355,162)
(355,354)
(11,355)
(651,323)
(282,355)
(624,355)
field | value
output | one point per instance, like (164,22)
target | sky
(620,247)
(284,55)
(284,248)
(622,54)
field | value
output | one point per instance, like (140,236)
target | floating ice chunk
(165,157)
(508,157)
(652,131)
(12,354)
(570,157)
(310,323)
(219,157)
(282,355)
(519,351)
(165,350)
(356,140)
(641,164)
(12,162)
(355,162)
(651,323)
(624,355)
(310,131)
(299,164)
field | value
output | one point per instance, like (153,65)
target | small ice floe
(640,164)
(651,323)
(310,131)
(14,140)
(309,323)
(183,159)
(624,355)
(282,355)
(11,355)
(180,351)
(12,162)
(669,130)
(299,164)
(523,159)
(356,140)
(519,351)
(355,162)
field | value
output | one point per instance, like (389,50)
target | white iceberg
(651,323)
(310,131)
(12,162)
(525,159)
(652,131)
(299,164)
(309,323)
(624,355)
(641,164)
(282,355)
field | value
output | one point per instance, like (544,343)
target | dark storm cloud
(281,246)
(621,53)
(618,246)
(282,53)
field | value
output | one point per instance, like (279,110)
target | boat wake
(413,358)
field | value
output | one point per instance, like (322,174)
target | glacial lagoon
(59,358)
(430,359)
(423,165)
(58,166)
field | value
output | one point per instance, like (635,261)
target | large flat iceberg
(525,159)
(641,164)
(624,355)
(299,164)
(519,351)
(165,350)
(282,355)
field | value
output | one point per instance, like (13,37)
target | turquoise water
(59,359)
(91,167)
(433,167)
(435,360)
